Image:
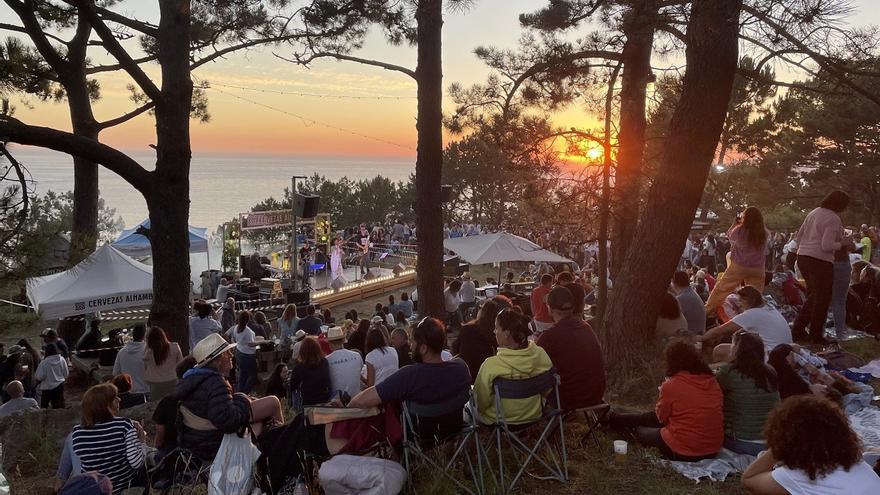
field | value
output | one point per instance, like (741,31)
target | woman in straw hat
(208,406)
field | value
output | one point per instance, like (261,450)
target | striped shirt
(111,448)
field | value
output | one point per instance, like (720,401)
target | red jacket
(691,408)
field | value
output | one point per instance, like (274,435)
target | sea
(221,185)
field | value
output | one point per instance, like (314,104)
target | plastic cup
(620,449)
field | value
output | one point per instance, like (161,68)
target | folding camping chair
(414,416)
(179,472)
(546,387)
(594,415)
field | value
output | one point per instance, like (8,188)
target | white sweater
(52,372)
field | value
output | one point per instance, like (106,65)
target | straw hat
(210,348)
(466,276)
(335,333)
(299,335)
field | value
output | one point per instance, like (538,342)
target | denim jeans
(743,447)
(840,287)
(247,371)
(819,275)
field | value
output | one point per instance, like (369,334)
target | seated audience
(311,324)
(405,305)
(160,361)
(758,317)
(357,340)
(17,402)
(104,442)
(811,449)
(127,398)
(430,380)
(750,393)
(310,382)
(400,342)
(381,360)
(476,339)
(276,384)
(578,294)
(130,360)
(51,374)
(687,423)
(575,352)
(517,358)
(670,321)
(345,365)
(690,303)
(328,317)
(790,382)
(165,415)
(399,320)
(209,406)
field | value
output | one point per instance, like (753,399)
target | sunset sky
(243,127)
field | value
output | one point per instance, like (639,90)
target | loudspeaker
(370,275)
(398,268)
(337,283)
(298,297)
(305,206)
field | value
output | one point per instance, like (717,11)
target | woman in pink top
(160,359)
(748,252)
(819,237)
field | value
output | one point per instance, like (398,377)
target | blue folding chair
(419,439)
(546,387)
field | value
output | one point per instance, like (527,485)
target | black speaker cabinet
(298,297)
(305,206)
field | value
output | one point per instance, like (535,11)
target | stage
(321,280)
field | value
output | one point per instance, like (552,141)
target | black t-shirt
(313,382)
(310,325)
(166,415)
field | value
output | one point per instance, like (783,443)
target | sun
(594,153)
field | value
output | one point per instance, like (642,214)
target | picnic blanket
(872,368)
(866,424)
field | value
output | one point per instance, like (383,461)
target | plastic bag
(232,472)
(354,475)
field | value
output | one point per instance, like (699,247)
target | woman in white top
(670,321)
(245,352)
(160,363)
(811,450)
(336,255)
(381,360)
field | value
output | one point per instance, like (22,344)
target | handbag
(232,472)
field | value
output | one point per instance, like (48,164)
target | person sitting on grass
(276,384)
(17,402)
(208,405)
(574,349)
(670,321)
(517,359)
(750,393)
(687,423)
(310,377)
(104,442)
(758,318)
(400,342)
(476,339)
(811,449)
(381,360)
(127,398)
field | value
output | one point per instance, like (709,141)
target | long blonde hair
(289,313)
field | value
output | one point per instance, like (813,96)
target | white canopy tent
(108,279)
(498,248)
(132,243)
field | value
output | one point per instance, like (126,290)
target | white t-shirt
(385,363)
(860,480)
(468,292)
(242,339)
(450,300)
(766,322)
(345,371)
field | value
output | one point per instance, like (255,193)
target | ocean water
(221,185)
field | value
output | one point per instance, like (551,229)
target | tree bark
(84,231)
(168,195)
(638,27)
(711,56)
(605,205)
(429,157)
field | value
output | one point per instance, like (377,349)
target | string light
(307,121)
(312,95)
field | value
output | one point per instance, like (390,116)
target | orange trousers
(731,280)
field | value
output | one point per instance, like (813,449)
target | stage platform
(351,273)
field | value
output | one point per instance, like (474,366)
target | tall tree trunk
(605,201)
(429,158)
(638,27)
(168,197)
(84,232)
(711,56)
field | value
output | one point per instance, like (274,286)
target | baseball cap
(560,298)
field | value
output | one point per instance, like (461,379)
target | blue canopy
(134,244)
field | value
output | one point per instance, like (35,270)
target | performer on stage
(336,256)
(305,256)
(364,245)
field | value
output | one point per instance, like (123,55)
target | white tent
(500,247)
(106,280)
(134,244)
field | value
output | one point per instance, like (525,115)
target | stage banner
(265,219)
